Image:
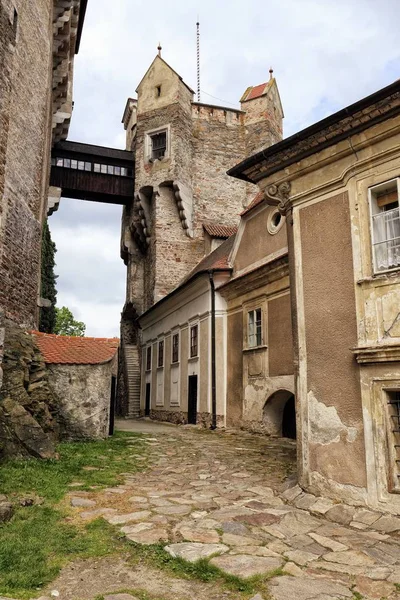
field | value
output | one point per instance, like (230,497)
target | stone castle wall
(25,133)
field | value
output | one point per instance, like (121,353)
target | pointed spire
(159,49)
(271,73)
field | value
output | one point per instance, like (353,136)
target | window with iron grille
(394,424)
(254,329)
(175,348)
(161,353)
(158,145)
(385,225)
(148,358)
(194,338)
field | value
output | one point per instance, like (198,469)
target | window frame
(148,146)
(148,358)
(175,357)
(372,190)
(258,334)
(194,327)
(160,354)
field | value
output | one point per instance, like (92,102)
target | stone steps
(133,370)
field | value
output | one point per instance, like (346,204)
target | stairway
(133,371)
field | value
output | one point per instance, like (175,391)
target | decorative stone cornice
(377,354)
(65,27)
(279,195)
(140,226)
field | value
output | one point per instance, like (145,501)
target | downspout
(213,355)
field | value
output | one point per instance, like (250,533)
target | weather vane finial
(159,49)
(271,73)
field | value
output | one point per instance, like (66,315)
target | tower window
(158,145)
(158,91)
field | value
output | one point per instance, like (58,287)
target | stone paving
(231,497)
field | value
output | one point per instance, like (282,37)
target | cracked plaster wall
(335,420)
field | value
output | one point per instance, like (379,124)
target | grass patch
(50,478)
(38,540)
(202,570)
(140,594)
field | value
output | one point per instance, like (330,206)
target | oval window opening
(276,219)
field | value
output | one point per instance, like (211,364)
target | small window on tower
(158,91)
(15,23)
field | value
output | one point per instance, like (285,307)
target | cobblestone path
(223,494)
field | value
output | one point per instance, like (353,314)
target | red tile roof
(255,202)
(256,91)
(216,260)
(219,231)
(70,350)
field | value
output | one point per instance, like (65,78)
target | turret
(264,115)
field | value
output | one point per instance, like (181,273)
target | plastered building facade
(38,42)
(182,150)
(336,184)
(260,373)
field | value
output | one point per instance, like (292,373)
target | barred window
(175,348)
(158,145)
(254,330)
(194,346)
(394,434)
(385,225)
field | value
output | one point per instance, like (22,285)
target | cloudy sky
(326,54)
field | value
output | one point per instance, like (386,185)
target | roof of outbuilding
(255,202)
(215,261)
(74,350)
(219,231)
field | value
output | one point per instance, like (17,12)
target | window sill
(256,348)
(380,275)
(175,364)
(193,358)
(160,367)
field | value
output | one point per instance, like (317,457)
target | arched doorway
(279,415)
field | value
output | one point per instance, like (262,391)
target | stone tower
(182,151)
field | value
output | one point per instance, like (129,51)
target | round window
(275,221)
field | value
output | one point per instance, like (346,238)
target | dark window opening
(15,23)
(158,145)
(394,425)
(276,219)
(194,334)
(158,91)
(175,348)
(148,359)
(161,354)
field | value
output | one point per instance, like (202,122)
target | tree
(48,288)
(66,324)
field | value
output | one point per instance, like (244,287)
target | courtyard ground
(220,497)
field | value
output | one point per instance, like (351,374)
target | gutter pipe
(213,354)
